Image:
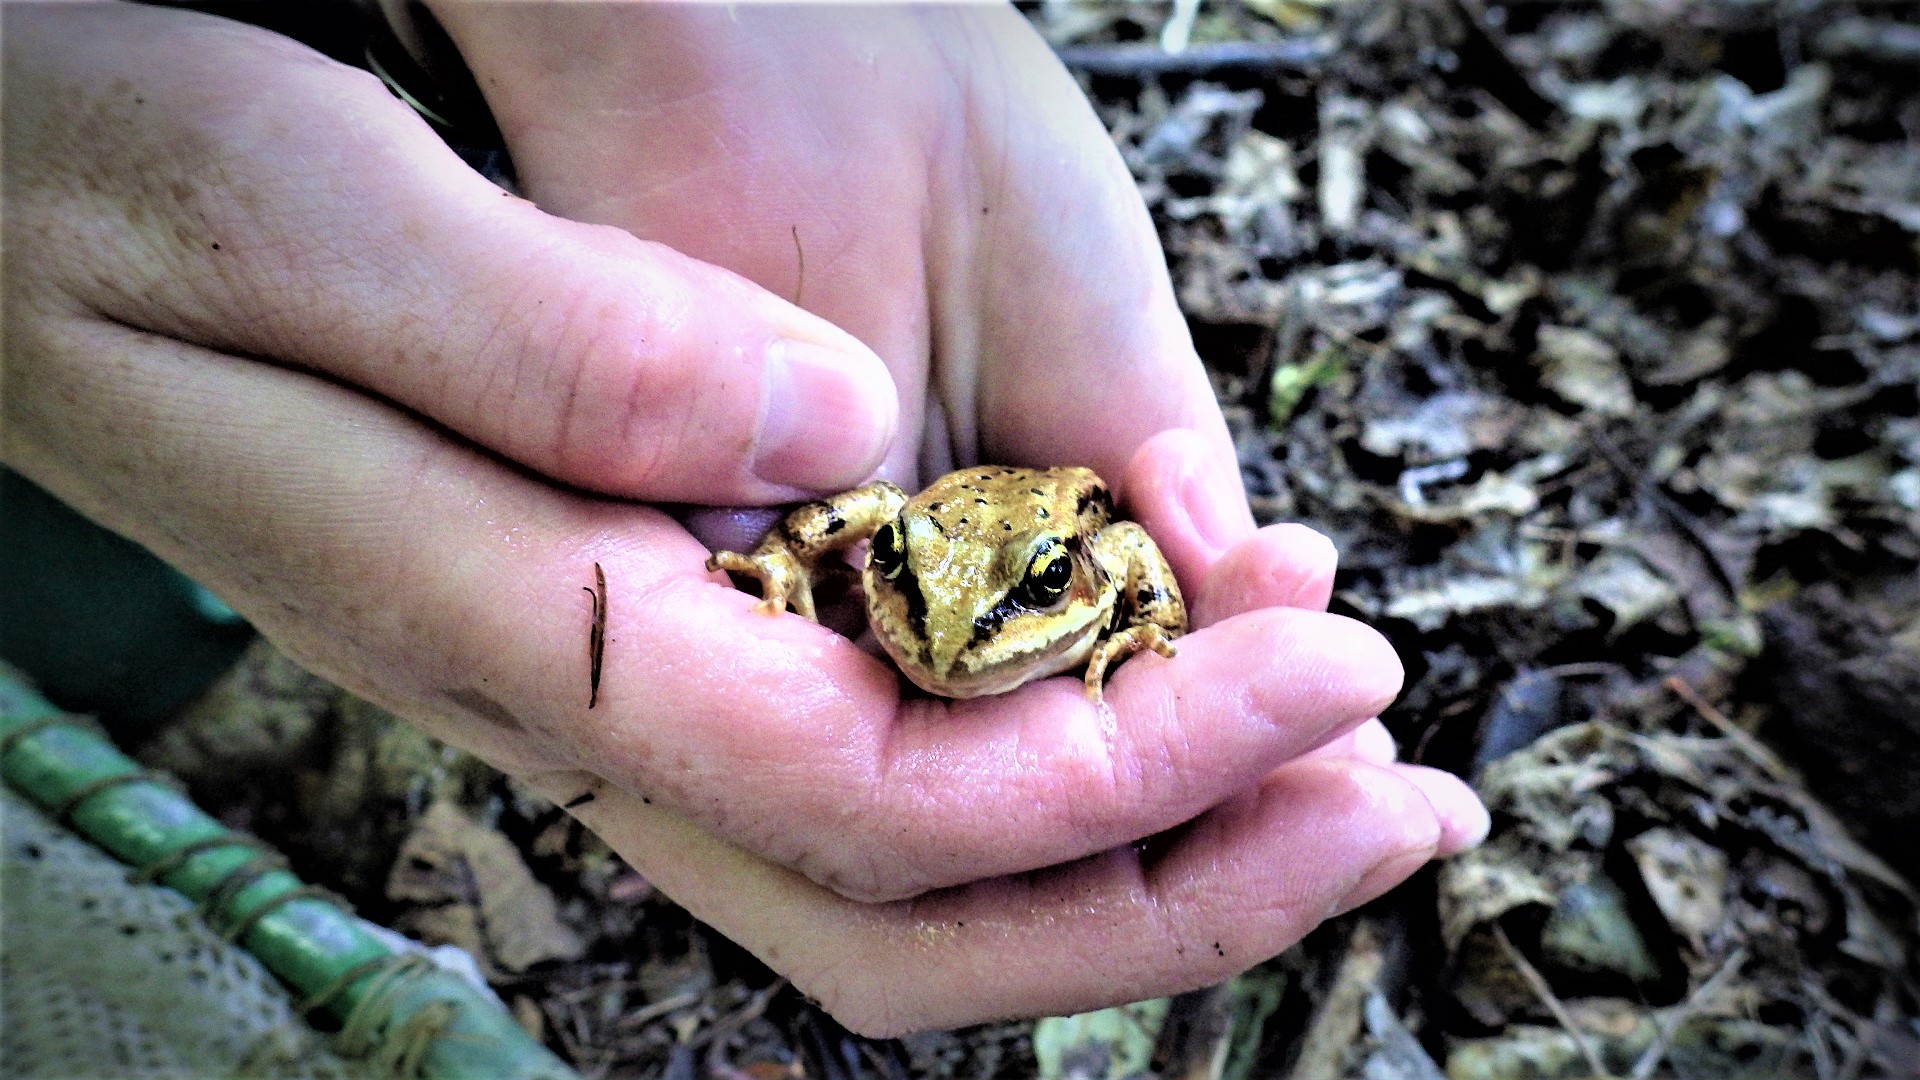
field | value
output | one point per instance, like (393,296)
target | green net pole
(413,1018)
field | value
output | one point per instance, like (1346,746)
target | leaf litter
(1590,332)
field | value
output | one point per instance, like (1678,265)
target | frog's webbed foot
(796,549)
(784,578)
(1121,645)
(1150,600)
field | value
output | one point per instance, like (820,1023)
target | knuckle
(634,399)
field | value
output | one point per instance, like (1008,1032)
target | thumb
(262,200)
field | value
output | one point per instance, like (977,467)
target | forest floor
(1590,331)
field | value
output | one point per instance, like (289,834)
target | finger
(1185,490)
(1279,566)
(914,212)
(1237,886)
(1117,357)
(695,126)
(1463,818)
(1370,742)
(949,791)
(1039,776)
(355,243)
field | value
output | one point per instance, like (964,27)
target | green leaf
(1105,1045)
(1291,382)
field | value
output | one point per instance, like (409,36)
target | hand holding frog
(275,331)
(989,579)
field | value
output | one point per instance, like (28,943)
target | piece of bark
(1847,683)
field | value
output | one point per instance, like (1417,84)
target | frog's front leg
(786,559)
(1148,613)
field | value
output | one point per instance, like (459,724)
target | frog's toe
(731,560)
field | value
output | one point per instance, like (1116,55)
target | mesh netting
(99,977)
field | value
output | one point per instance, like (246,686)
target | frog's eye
(888,555)
(1048,576)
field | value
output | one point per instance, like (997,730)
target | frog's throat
(966,681)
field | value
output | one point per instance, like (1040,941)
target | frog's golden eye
(1048,575)
(889,554)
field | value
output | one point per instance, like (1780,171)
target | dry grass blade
(1696,1001)
(1545,993)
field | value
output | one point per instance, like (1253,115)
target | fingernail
(1394,824)
(1385,875)
(1463,818)
(1373,742)
(826,416)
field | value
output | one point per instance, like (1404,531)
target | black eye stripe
(1020,600)
(909,587)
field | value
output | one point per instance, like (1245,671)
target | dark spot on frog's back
(1092,497)
(479,704)
(835,523)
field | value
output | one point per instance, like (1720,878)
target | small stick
(1545,993)
(1149,61)
(799,286)
(1740,737)
(596,637)
(1695,1002)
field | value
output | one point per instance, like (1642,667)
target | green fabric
(101,625)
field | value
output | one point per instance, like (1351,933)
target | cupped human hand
(259,319)
(933,181)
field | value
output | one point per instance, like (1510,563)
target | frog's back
(988,499)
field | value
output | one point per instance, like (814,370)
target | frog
(992,577)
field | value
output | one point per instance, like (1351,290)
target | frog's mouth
(984,672)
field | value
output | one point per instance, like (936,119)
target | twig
(746,1014)
(1337,1023)
(1670,1026)
(1583,669)
(1545,993)
(1883,40)
(642,1017)
(1740,737)
(596,634)
(718,1063)
(1146,61)
(1689,525)
(800,255)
